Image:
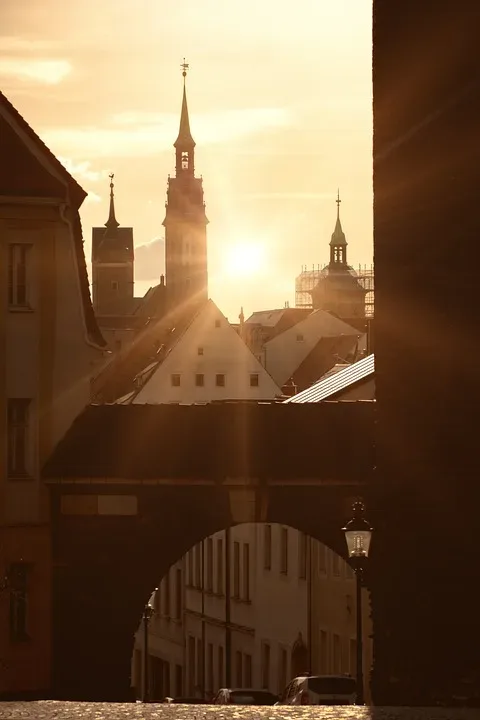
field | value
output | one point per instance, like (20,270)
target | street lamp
(358,534)
(148,612)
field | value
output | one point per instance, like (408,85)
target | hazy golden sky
(280,106)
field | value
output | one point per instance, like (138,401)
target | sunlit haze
(280,107)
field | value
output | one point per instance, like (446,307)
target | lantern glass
(358,542)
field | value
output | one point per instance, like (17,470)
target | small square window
(200,351)
(217,323)
(254,381)
(200,380)
(300,338)
(220,380)
(176,380)
(114,285)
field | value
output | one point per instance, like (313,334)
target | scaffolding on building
(308,280)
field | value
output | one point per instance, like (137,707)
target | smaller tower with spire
(112,265)
(338,243)
(338,290)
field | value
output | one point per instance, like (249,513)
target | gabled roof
(271,318)
(22,136)
(331,384)
(224,352)
(117,376)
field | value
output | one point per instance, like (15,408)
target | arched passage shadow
(106,567)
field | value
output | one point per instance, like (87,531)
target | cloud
(80,170)
(150,260)
(288,196)
(48,72)
(92,198)
(134,134)
(13,44)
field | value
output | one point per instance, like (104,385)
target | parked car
(244,696)
(320,690)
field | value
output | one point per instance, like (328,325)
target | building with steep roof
(50,344)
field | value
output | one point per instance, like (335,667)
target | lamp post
(148,612)
(358,534)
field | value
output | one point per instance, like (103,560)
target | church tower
(112,266)
(339,290)
(185,221)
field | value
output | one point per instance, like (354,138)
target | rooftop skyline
(280,110)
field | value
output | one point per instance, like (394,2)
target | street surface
(136,711)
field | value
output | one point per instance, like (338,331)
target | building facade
(49,347)
(269,609)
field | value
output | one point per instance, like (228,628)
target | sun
(244,259)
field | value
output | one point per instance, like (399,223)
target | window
(238,669)
(246,571)
(284,551)
(200,351)
(184,160)
(18,577)
(191,665)
(178,680)
(190,567)
(220,380)
(17,423)
(265,666)
(247,659)
(323,652)
(166,605)
(200,662)
(236,570)
(220,666)
(198,566)
(210,565)
(199,380)
(254,380)
(210,678)
(336,564)
(175,380)
(337,655)
(353,658)
(267,547)
(302,556)
(217,323)
(220,567)
(17,274)
(300,337)
(114,285)
(178,594)
(282,670)
(321,558)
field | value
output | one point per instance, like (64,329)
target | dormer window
(184,160)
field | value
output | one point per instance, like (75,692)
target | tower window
(200,351)
(254,380)
(184,160)
(176,380)
(220,380)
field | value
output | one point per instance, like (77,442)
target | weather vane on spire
(185,66)
(111,176)
(338,201)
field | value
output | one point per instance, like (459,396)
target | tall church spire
(338,242)
(112,223)
(184,144)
